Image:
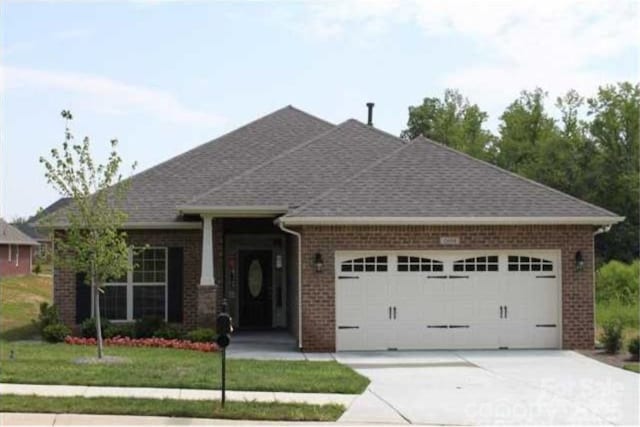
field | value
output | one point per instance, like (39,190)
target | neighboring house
(351,239)
(40,235)
(16,251)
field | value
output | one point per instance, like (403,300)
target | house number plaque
(447,240)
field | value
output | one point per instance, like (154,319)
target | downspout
(600,230)
(280,223)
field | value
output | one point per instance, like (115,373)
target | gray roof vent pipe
(370,114)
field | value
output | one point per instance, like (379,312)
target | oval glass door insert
(255,278)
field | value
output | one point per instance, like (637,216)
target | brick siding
(318,289)
(191,241)
(23,265)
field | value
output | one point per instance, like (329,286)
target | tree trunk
(96,298)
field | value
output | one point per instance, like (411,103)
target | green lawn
(40,363)
(274,411)
(20,299)
(635,367)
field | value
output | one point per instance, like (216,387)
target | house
(40,235)
(353,239)
(16,251)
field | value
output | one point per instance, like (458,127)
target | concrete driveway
(492,387)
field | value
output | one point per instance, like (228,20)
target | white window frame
(130,284)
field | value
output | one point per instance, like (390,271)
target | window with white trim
(481,263)
(367,264)
(525,263)
(414,263)
(142,292)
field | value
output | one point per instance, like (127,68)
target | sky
(165,76)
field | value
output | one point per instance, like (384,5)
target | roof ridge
(292,107)
(372,165)
(423,138)
(263,164)
(380,131)
(246,125)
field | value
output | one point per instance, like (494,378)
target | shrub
(119,330)
(38,268)
(88,327)
(627,315)
(48,316)
(147,326)
(56,332)
(634,347)
(618,282)
(202,335)
(169,332)
(612,336)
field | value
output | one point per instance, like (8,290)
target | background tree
(527,134)
(452,121)
(589,149)
(613,129)
(93,241)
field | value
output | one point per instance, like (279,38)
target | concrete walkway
(270,345)
(175,393)
(9,419)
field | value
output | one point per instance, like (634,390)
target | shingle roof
(155,193)
(292,162)
(427,179)
(29,227)
(10,235)
(298,175)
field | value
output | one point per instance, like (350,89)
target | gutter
(233,211)
(337,220)
(299,237)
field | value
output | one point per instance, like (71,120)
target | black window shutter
(174,283)
(83,298)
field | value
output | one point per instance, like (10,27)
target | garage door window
(481,263)
(414,263)
(366,264)
(525,263)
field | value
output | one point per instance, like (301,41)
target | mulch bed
(617,360)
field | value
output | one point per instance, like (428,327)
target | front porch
(253,263)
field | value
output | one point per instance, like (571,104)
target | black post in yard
(224,328)
(224,385)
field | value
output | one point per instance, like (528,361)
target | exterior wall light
(579,261)
(319,263)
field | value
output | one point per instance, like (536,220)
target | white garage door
(447,300)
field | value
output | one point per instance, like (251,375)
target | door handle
(394,312)
(389,312)
(501,312)
(505,312)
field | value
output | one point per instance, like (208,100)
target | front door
(255,277)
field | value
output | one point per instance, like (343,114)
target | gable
(299,175)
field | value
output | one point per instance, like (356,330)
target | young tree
(93,241)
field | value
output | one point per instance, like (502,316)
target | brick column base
(206,306)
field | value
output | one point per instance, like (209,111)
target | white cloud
(109,95)
(556,45)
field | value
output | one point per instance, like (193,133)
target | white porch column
(206,277)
